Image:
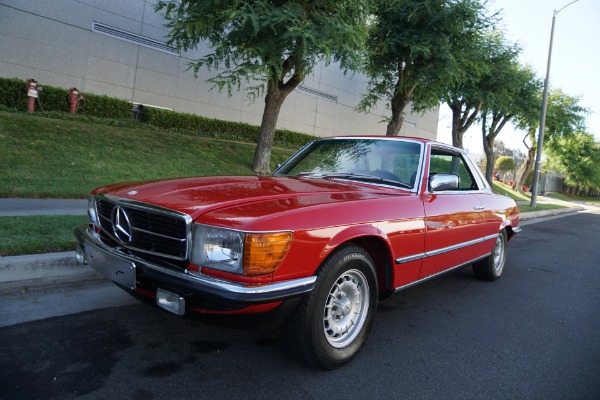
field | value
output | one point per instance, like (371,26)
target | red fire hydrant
(32,94)
(74,99)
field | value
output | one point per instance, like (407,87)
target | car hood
(253,196)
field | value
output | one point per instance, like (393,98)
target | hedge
(51,98)
(108,111)
(219,129)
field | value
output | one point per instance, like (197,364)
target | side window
(443,162)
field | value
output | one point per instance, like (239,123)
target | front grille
(153,230)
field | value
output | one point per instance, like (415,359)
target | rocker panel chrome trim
(414,257)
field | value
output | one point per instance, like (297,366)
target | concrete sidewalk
(25,207)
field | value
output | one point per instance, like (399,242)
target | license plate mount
(114,268)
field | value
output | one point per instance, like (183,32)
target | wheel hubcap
(346,308)
(499,254)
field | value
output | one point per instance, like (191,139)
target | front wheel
(491,268)
(331,323)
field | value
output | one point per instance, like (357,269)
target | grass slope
(48,158)
(38,234)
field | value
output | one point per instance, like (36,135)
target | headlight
(91,210)
(250,254)
(217,248)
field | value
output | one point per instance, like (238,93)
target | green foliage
(271,44)
(505,163)
(510,89)
(565,116)
(218,129)
(267,40)
(12,93)
(105,107)
(577,157)
(465,97)
(418,48)
(51,98)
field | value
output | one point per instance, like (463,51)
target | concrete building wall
(57,43)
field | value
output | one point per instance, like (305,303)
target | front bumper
(128,270)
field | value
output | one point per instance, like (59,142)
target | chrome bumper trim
(202,284)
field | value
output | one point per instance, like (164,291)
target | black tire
(331,323)
(491,268)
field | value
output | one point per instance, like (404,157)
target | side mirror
(443,182)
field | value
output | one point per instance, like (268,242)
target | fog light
(170,301)
(80,254)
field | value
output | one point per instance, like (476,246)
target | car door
(454,219)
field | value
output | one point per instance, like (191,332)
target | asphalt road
(534,334)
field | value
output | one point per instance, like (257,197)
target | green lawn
(506,190)
(38,234)
(592,201)
(50,158)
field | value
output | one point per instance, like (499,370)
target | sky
(575,64)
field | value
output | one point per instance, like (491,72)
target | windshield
(375,160)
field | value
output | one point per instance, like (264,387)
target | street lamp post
(538,158)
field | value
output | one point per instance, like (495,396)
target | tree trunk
(277,92)
(398,104)
(262,155)
(489,136)
(457,138)
(488,148)
(393,127)
(461,120)
(395,124)
(525,170)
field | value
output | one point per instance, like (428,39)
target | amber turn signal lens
(263,252)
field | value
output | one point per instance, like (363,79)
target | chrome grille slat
(158,234)
(154,231)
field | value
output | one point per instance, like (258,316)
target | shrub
(112,111)
(51,98)
(218,129)
(105,107)
(505,163)
(12,93)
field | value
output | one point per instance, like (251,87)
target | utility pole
(538,159)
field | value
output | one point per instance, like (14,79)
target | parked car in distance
(342,224)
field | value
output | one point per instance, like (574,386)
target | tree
(465,96)
(564,117)
(504,163)
(501,150)
(577,157)
(414,52)
(273,42)
(510,92)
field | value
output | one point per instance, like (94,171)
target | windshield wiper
(353,176)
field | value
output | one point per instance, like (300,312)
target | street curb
(36,271)
(548,213)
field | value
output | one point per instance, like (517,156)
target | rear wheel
(491,267)
(331,323)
